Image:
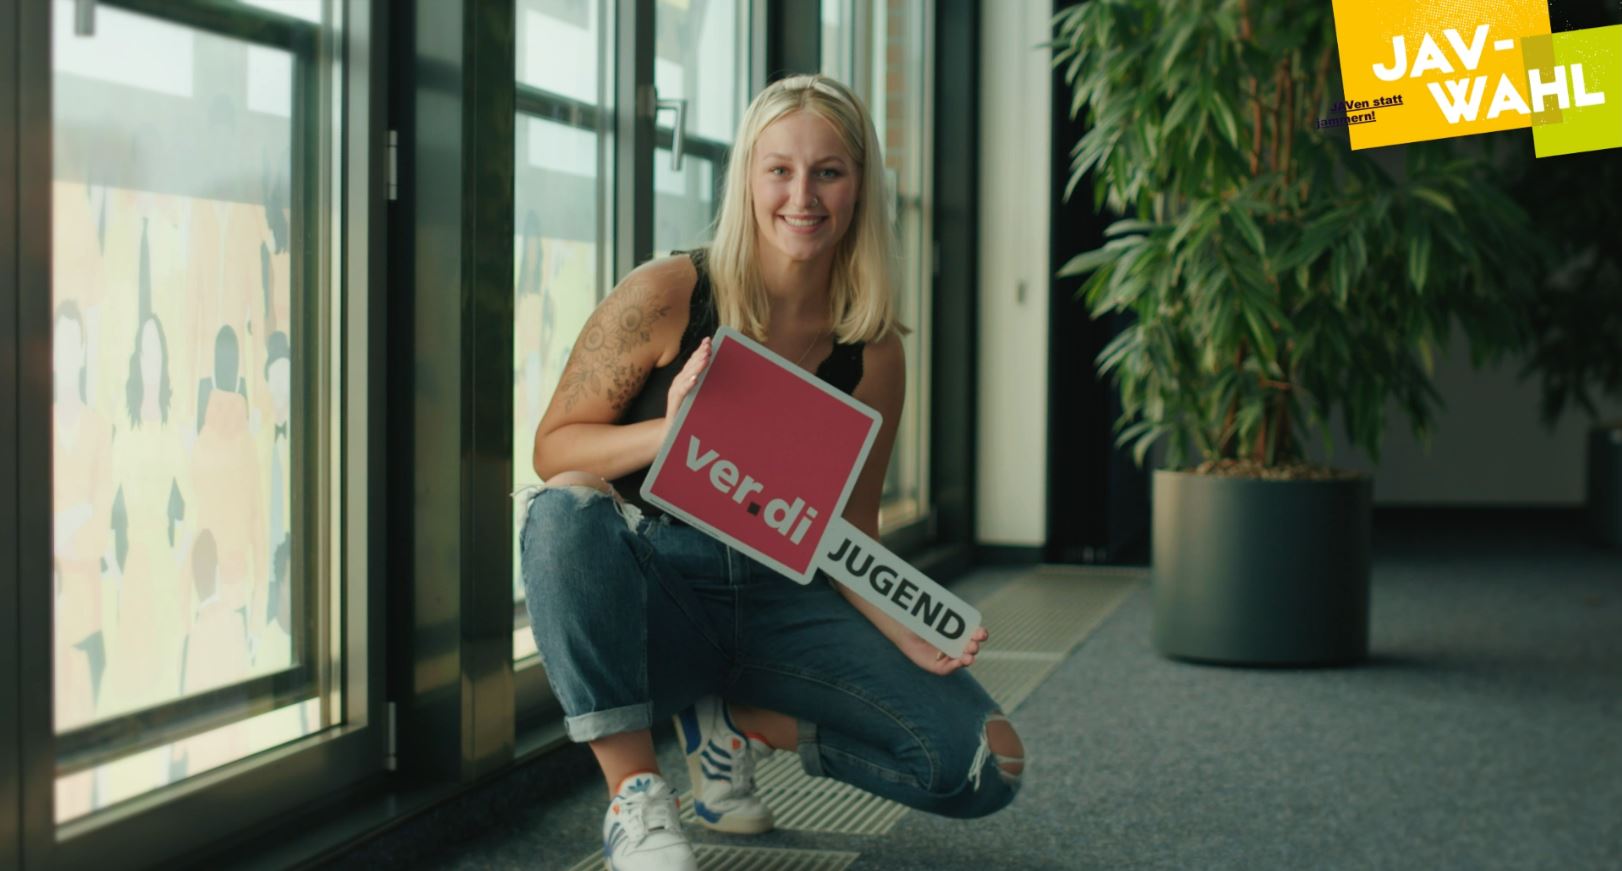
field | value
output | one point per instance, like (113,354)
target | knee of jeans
(579,482)
(995,773)
(583,490)
(1004,747)
(569,523)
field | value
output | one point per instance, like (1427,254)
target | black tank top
(842,369)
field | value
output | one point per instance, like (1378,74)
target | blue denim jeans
(635,618)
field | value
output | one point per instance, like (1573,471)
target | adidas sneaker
(641,830)
(720,760)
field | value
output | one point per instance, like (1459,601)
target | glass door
(700,74)
(575,212)
(563,185)
(900,93)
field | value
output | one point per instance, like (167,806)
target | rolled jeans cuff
(810,758)
(600,724)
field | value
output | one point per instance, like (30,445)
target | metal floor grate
(803,803)
(1053,609)
(1012,676)
(1037,620)
(714,857)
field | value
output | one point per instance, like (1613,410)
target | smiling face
(804,184)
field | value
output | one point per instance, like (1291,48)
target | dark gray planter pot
(1254,572)
(1605,483)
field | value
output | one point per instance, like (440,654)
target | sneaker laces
(743,767)
(644,814)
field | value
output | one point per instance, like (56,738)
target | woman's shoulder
(667,280)
(884,365)
(651,305)
(885,350)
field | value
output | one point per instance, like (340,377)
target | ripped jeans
(636,618)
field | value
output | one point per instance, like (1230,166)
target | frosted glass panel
(175,253)
(558,47)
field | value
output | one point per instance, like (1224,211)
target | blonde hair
(861,292)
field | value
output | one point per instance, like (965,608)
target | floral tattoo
(623,323)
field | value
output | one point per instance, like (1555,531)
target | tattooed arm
(637,328)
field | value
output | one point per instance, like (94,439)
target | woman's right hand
(685,381)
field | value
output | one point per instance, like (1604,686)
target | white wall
(1014,191)
(1488,445)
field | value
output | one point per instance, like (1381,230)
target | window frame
(634,142)
(12,695)
(163,824)
(917,532)
(537,714)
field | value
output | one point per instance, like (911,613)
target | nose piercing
(815,202)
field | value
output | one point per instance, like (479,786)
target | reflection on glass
(557,47)
(838,40)
(309,10)
(555,273)
(173,345)
(684,202)
(139,773)
(698,58)
(897,100)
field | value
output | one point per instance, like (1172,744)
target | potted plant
(1279,281)
(1576,316)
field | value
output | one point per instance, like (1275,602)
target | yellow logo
(1416,70)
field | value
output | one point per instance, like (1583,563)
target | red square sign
(762,455)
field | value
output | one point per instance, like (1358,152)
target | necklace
(815,341)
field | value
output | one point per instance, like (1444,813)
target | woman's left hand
(929,658)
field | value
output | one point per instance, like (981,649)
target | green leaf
(1195,217)
(1419,253)
(1261,334)
(1180,107)
(1341,276)
(1224,118)
(1174,49)
(1086,262)
(1437,199)
(1121,228)
(1249,229)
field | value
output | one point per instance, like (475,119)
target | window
(900,100)
(196,410)
(562,196)
(839,39)
(699,64)
(565,188)
(882,49)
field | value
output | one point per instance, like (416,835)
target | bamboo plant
(1277,277)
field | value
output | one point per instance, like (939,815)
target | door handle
(678,132)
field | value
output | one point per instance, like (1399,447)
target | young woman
(638,616)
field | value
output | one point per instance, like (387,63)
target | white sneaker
(642,832)
(720,761)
